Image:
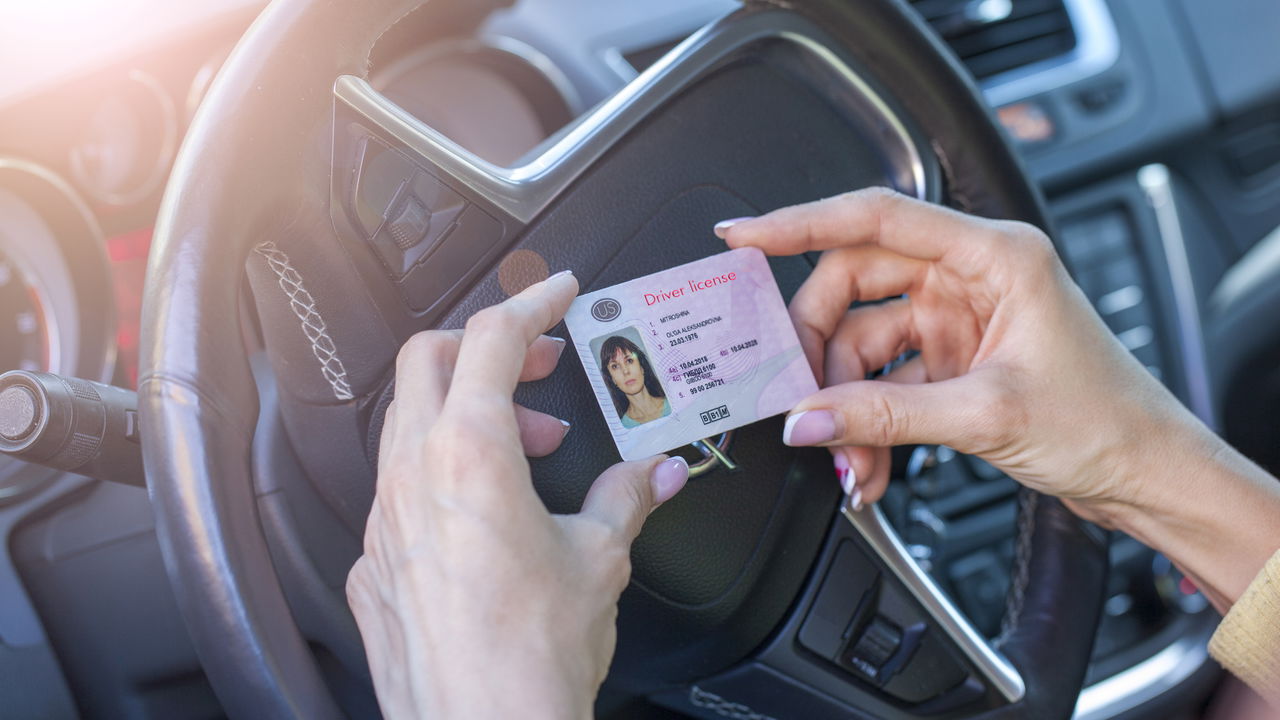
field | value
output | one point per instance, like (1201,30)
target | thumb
(968,413)
(626,493)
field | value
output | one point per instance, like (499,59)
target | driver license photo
(690,352)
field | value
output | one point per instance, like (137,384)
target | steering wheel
(754,593)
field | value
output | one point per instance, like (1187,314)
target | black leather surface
(718,568)
(1054,606)
(239,180)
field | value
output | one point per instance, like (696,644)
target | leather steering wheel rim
(197,397)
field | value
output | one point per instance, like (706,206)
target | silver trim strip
(1257,267)
(525,191)
(1143,682)
(614,60)
(874,528)
(1097,48)
(1157,184)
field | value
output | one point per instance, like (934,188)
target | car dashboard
(1153,129)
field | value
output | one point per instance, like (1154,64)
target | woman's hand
(1014,364)
(1015,367)
(472,599)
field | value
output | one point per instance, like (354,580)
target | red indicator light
(1186,587)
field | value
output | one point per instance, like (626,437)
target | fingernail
(559,274)
(811,427)
(565,424)
(855,499)
(848,480)
(668,478)
(723,226)
(560,345)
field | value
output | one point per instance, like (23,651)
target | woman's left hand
(472,599)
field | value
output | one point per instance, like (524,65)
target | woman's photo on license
(633,384)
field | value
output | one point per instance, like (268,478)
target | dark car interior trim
(882,538)
(1097,47)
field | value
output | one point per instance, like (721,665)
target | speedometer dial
(56,312)
(24,334)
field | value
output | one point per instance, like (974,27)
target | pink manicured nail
(811,427)
(855,499)
(668,478)
(848,480)
(560,274)
(560,345)
(724,225)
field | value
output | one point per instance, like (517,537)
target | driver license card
(690,352)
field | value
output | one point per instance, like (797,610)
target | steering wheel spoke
(420,214)
(992,668)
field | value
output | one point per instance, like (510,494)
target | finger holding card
(842,277)
(864,340)
(425,369)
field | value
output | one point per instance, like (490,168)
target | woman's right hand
(1014,365)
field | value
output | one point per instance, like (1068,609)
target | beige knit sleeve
(1248,641)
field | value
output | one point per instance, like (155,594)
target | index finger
(497,339)
(842,276)
(872,216)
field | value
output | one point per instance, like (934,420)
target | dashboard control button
(383,172)
(1129,296)
(423,213)
(409,226)
(131,431)
(928,673)
(872,651)
(1028,122)
(1097,239)
(447,260)
(1100,97)
(444,203)
(1132,317)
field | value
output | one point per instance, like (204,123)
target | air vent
(993,36)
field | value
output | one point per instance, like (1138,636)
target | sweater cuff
(1247,643)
